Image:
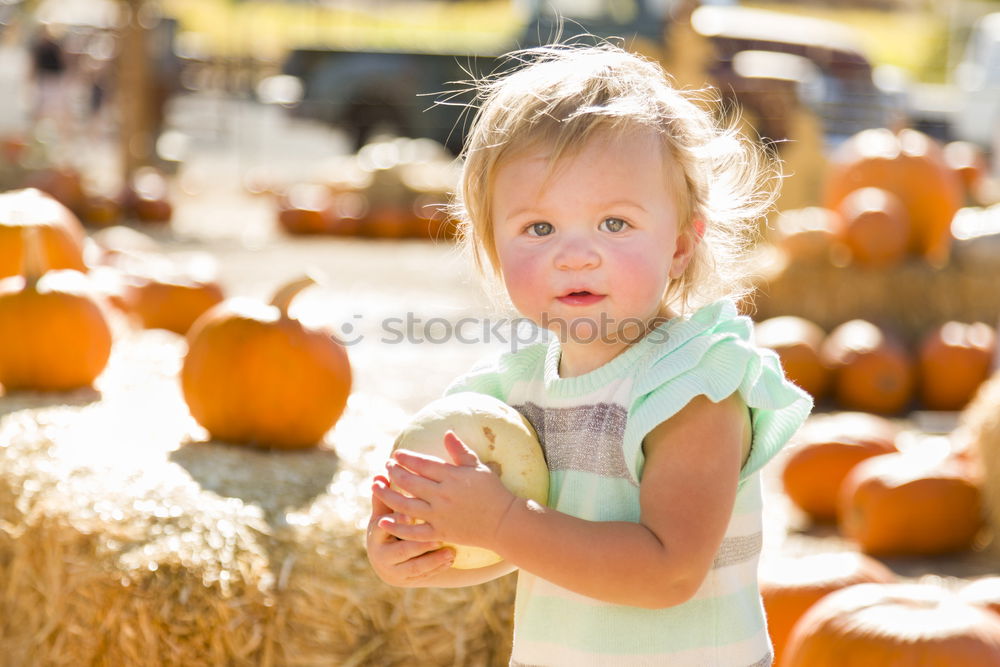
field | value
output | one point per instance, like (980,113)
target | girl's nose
(576,254)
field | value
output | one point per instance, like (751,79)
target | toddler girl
(614,211)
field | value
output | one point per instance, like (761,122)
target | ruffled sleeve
(712,354)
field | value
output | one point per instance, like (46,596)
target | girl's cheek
(522,277)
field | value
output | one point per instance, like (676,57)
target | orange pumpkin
(54,334)
(345,213)
(954,359)
(909,164)
(170,303)
(898,504)
(790,585)
(62,235)
(63,183)
(152,209)
(99,210)
(807,234)
(825,451)
(388,221)
(253,374)
(797,341)
(305,209)
(874,227)
(13,147)
(967,160)
(983,592)
(872,371)
(894,624)
(147,196)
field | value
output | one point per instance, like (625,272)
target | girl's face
(588,249)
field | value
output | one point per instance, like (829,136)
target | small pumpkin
(825,451)
(152,209)
(305,209)
(807,235)
(100,210)
(894,624)
(967,161)
(874,227)
(254,374)
(790,585)
(345,213)
(54,333)
(61,234)
(953,361)
(388,221)
(905,503)
(147,196)
(872,370)
(171,303)
(911,165)
(797,341)
(61,182)
(502,438)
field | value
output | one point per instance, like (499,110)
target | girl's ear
(687,241)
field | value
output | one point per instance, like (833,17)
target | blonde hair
(560,95)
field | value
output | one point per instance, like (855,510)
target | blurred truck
(977,118)
(752,54)
(968,106)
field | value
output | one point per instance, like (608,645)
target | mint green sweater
(591,428)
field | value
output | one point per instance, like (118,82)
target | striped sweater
(591,428)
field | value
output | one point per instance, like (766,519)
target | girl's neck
(578,357)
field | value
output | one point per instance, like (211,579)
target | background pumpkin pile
(391,189)
(892,494)
(145,198)
(905,231)
(862,366)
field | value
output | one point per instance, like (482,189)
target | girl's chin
(602,329)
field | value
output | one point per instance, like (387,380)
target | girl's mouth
(580,298)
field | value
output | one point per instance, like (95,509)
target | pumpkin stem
(33,260)
(282,299)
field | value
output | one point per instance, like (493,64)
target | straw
(125,539)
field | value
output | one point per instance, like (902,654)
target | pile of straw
(124,540)
(911,297)
(980,423)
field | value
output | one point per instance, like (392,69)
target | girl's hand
(402,562)
(462,502)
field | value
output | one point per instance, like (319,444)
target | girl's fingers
(405,529)
(379,507)
(413,484)
(399,551)
(395,501)
(427,565)
(458,450)
(430,467)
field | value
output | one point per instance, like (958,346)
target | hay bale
(911,297)
(125,540)
(980,424)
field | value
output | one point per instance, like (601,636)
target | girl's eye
(613,225)
(540,229)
